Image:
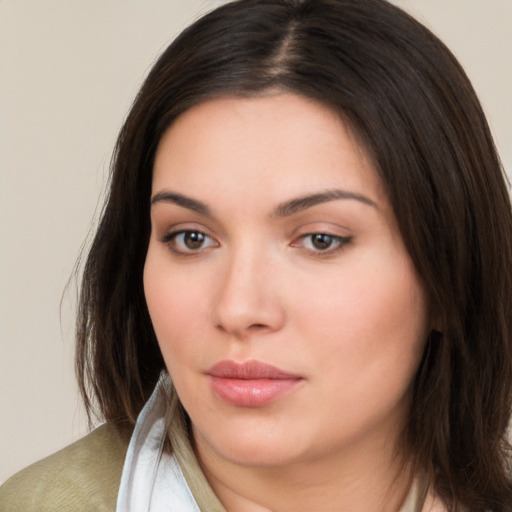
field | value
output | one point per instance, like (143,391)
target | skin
(348,314)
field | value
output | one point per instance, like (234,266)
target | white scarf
(152,480)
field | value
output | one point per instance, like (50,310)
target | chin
(251,449)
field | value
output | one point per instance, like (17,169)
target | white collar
(152,480)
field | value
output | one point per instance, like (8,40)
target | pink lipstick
(250,384)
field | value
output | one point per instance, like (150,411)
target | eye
(188,241)
(322,243)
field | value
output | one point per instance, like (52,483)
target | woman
(298,297)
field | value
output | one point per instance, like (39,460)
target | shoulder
(82,476)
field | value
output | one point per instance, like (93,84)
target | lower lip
(252,392)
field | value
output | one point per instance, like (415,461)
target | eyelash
(340,242)
(170,239)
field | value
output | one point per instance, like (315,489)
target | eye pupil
(194,239)
(321,241)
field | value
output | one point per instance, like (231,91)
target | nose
(248,299)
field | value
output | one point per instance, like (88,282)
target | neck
(368,478)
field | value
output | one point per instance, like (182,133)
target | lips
(250,384)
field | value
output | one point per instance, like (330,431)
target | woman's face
(289,314)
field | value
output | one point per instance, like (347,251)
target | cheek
(174,301)
(369,322)
(373,344)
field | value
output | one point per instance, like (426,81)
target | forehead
(266,144)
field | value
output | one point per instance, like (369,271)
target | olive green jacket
(83,477)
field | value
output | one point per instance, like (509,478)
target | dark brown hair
(405,95)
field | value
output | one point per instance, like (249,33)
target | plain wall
(68,73)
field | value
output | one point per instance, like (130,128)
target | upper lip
(249,370)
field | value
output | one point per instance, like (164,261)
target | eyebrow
(303,203)
(181,200)
(282,210)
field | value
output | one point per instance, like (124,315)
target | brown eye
(322,244)
(321,241)
(188,242)
(193,239)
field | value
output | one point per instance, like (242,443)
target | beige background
(68,72)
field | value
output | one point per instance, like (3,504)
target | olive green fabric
(83,477)
(205,498)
